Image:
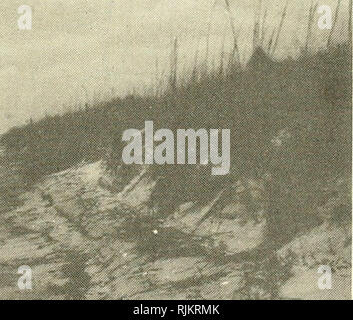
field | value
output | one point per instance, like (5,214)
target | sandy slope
(71,230)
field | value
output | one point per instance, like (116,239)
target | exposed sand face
(79,51)
(77,237)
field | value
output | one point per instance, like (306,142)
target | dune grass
(307,100)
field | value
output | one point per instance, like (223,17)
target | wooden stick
(334,23)
(284,13)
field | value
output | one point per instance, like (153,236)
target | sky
(82,51)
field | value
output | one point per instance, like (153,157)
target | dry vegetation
(307,100)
